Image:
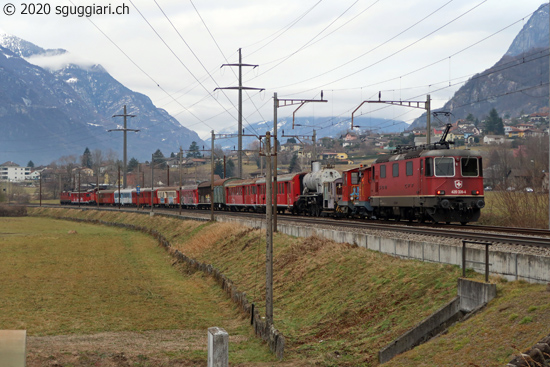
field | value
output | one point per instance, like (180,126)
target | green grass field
(103,279)
(338,305)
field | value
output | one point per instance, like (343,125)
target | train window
(355,178)
(469,167)
(383,171)
(395,169)
(444,167)
(409,168)
(429,167)
(373,168)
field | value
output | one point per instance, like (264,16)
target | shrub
(13,211)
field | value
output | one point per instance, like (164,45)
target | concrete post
(218,347)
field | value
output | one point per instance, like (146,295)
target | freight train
(427,183)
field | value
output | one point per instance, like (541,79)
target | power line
(396,52)
(137,66)
(282,30)
(227,62)
(311,40)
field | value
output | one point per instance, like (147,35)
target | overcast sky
(350,49)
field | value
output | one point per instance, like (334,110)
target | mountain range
(517,84)
(48,113)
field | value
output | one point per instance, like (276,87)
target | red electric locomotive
(440,185)
(65,198)
(427,183)
(83,197)
(422,183)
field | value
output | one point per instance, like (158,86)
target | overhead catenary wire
(227,62)
(394,53)
(308,42)
(372,49)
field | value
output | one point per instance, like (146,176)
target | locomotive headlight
(475,192)
(440,192)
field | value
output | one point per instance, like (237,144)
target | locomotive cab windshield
(470,167)
(445,167)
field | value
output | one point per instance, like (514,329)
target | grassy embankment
(338,305)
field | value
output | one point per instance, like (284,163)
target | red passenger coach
(189,196)
(289,189)
(168,196)
(106,197)
(241,194)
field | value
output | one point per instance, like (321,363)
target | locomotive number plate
(458,192)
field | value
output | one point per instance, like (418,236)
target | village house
(290,147)
(538,117)
(10,171)
(494,139)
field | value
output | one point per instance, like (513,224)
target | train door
(376,179)
(355,180)
(366,184)
(289,199)
(328,195)
(420,177)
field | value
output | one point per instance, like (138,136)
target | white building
(494,139)
(10,171)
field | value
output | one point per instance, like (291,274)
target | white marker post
(218,347)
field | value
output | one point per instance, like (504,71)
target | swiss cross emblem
(458,184)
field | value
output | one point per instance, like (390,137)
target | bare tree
(536,151)
(69,162)
(500,165)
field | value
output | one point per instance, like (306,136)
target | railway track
(491,234)
(476,233)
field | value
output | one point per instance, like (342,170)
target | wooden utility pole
(314,139)
(97,189)
(119,198)
(212,178)
(79,188)
(428,120)
(277,104)
(181,181)
(240,88)
(275,186)
(269,235)
(152,180)
(124,130)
